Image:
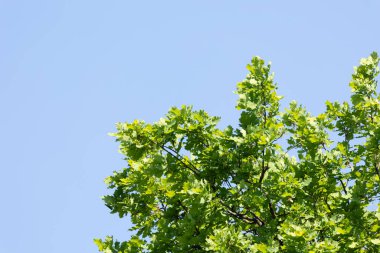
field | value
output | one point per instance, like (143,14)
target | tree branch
(244,217)
(179,158)
(343,185)
(272,212)
(263,170)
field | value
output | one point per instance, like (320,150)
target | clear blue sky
(71,69)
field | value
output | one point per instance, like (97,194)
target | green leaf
(170,194)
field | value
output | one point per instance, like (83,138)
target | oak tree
(282,181)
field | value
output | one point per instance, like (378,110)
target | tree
(280,182)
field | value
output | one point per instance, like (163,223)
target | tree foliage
(280,182)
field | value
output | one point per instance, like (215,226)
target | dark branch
(272,212)
(244,217)
(343,185)
(328,206)
(179,158)
(263,170)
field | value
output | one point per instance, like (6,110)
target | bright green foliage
(191,187)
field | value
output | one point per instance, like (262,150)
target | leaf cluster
(283,181)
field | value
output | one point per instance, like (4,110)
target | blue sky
(69,70)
